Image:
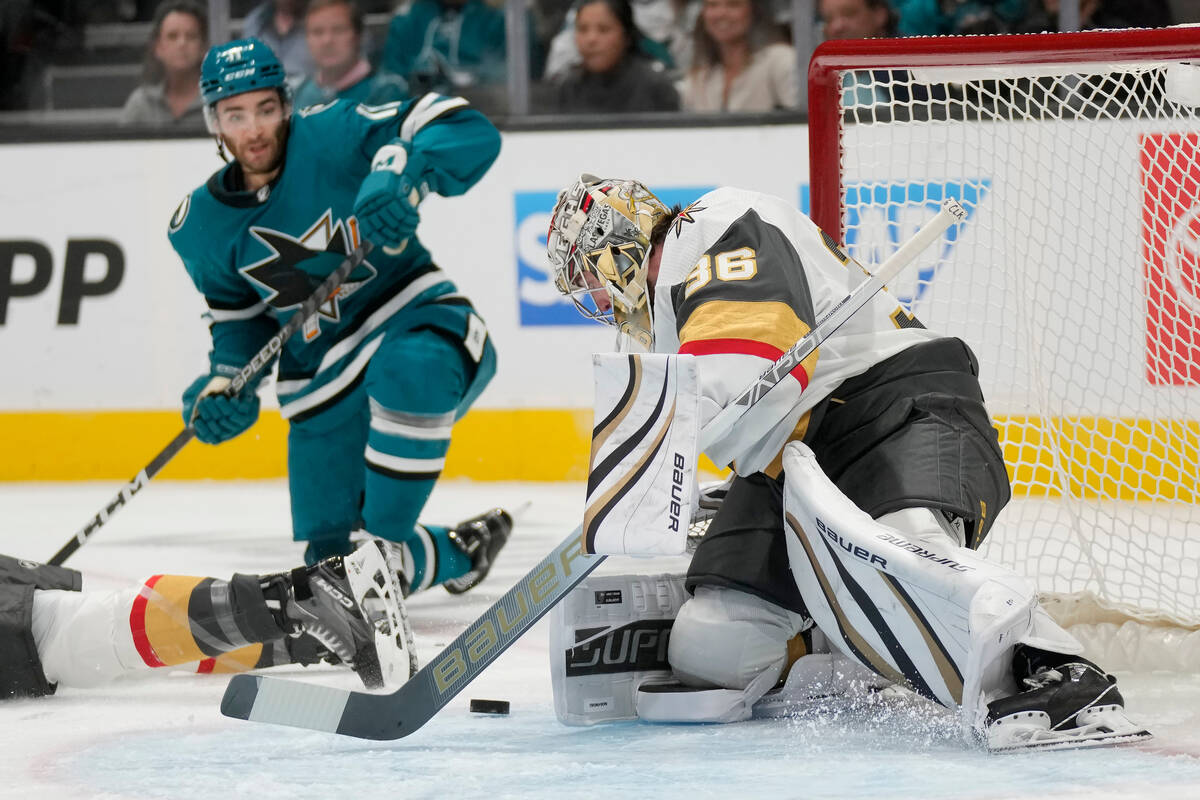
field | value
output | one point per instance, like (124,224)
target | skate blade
(1099,726)
(1074,743)
(378,593)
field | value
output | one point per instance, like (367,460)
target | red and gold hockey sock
(177,619)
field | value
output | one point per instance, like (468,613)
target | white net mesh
(1076,280)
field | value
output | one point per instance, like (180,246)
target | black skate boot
(1069,702)
(480,538)
(347,609)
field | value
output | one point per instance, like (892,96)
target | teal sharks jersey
(242,249)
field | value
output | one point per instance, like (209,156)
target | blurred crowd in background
(137,62)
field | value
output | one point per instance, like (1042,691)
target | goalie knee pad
(21,672)
(726,638)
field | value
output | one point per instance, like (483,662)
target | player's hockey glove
(215,417)
(386,206)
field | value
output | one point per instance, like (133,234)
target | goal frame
(836,56)
(1108,633)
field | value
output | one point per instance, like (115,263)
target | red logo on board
(1171,253)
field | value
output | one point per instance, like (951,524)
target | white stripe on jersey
(425,427)
(343,379)
(369,325)
(427,109)
(234,314)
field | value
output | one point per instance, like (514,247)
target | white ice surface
(163,737)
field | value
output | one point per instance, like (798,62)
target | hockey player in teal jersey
(376,379)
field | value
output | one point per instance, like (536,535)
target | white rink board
(138,347)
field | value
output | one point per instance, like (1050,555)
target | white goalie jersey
(743,276)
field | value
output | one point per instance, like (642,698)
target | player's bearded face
(254,127)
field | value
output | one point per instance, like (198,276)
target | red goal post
(1076,281)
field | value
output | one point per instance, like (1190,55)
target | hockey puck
(489,706)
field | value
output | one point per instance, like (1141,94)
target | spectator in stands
(280,25)
(663,32)
(856,19)
(739,61)
(449,45)
(1101,14)
(170,90)
(942,17)
(334,30)
(613,74)
(861,19)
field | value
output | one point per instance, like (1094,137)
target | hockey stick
(259,698)
(257,364)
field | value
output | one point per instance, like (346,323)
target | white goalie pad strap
(931,616)
(678,703)
(607,637)
(642,472)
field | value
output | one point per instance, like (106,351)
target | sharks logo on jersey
(297,265)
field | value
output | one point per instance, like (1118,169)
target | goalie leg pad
(935,617)
(608,637)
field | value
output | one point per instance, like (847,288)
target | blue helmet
(243,65)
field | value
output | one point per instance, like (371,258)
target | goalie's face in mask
(598,244)
(600,297)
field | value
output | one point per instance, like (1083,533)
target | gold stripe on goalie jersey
(167,626)
(903,318)
(769,322)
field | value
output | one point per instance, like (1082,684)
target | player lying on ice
(863,484)
(343,610)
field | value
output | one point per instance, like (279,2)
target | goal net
(1075,279)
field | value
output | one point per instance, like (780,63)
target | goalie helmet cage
(1075,279)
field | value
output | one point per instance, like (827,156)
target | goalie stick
(257,364)
(260,698)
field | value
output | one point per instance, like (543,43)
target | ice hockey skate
(481,538)
(352,607)
(1070,704)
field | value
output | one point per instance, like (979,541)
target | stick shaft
(721,424)
(260,361)
(263,698)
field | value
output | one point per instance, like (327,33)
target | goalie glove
(215,416)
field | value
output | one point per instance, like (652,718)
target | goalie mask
(599,245)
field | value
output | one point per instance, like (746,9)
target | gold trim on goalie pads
(642,473)
(939,619)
